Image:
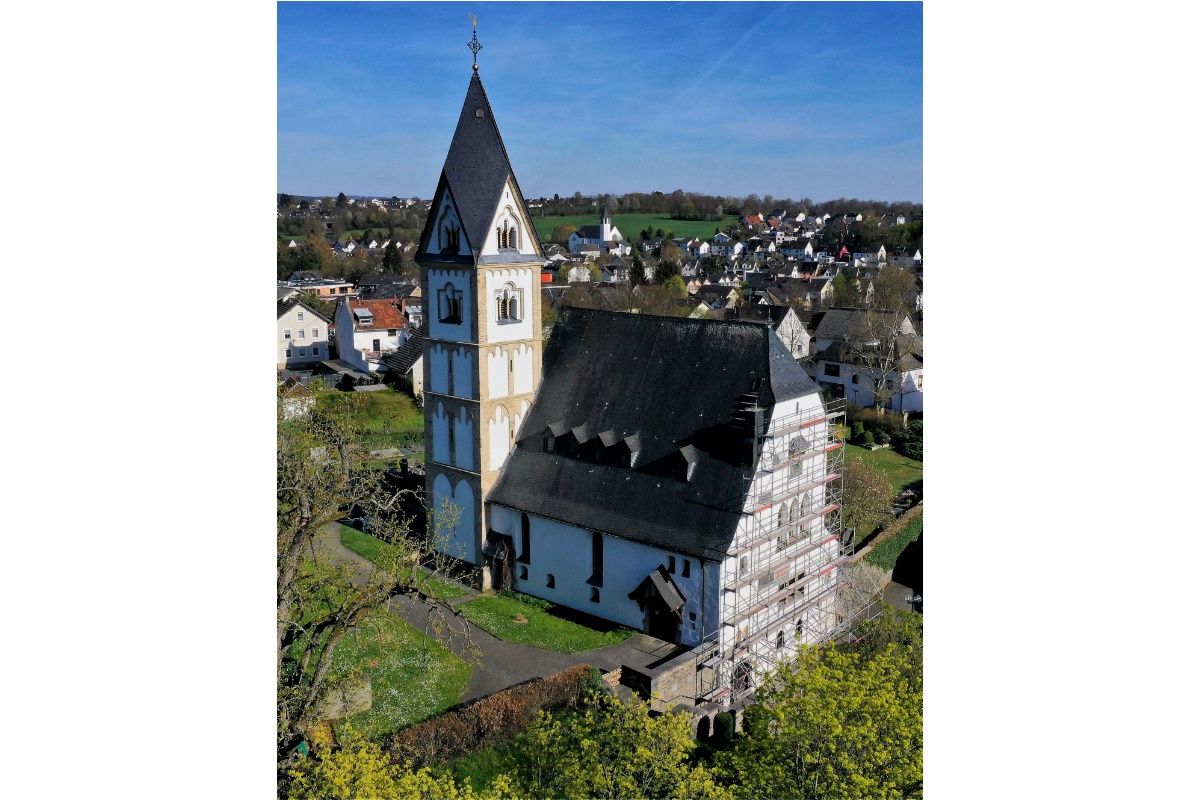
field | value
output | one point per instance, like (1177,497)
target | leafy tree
(613,750)
(637,269)
(867,497)
(562,234)
(833,724)
(845,291)
(358,768)
(341,200)
(675,286)
(393,258)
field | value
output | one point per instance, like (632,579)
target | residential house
(369,330)
(784,322)
(407,363)
(869,357)
(604,237)
(718,296)
(302,335)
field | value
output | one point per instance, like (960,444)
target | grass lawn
(884,555)
(901,471)
(412,676)
(389,419)
(631,224)
(370,548)
(481,768)
(495,615)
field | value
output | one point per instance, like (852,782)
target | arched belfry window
(450,237)
(508,304)
(508,233)
(450,304)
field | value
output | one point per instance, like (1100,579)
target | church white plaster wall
(522,281)
(463,367)
(447,222)
(458,541)
(497,372)
(522,369)
(442,283)
(439,370)
(464,440)
(518,418)
(508,212)
(498,437)
(441,435)
(565,552)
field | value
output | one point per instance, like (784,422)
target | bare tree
(321,598)
(881,347)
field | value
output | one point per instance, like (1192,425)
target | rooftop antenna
(474,45)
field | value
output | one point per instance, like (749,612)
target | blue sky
(822,100)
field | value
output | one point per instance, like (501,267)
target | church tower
(481,264)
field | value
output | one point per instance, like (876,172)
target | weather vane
(474,45)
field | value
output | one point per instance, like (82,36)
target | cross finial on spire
(474,45)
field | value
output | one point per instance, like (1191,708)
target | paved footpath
(498,664)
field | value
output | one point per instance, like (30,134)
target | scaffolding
(781,586)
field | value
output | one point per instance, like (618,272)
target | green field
(388,419)
(631,224)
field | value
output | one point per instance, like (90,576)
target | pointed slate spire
(476,170)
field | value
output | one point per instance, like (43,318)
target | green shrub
(856,431)
(722,736)
(868,439)
(883,437)
(911,449)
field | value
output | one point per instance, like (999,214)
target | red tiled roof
(386,314)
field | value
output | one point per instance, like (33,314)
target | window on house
(302,353)
(300,333)
(597,578)
(391,331)
(316,334)
(343,290)
(300,316)
(890,383)
(449,305)
(780,639)
(671,567)
(919,380)
(287,333)
(744,566)
(854,378)
(549,581)
(595,598)
(288,353)
(833,370)
(524,539)
(687,568)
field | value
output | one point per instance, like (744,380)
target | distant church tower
(481,265)
(605,226)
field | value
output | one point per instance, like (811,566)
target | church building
(677,476)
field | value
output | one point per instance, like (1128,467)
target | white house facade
(302,336)
(368,331)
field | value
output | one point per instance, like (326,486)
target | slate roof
(476,171)
(839,323)
(403,359)
(768,314)
(672,382)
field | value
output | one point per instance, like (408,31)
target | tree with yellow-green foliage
(358,769)
(833,724)
(614,750)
